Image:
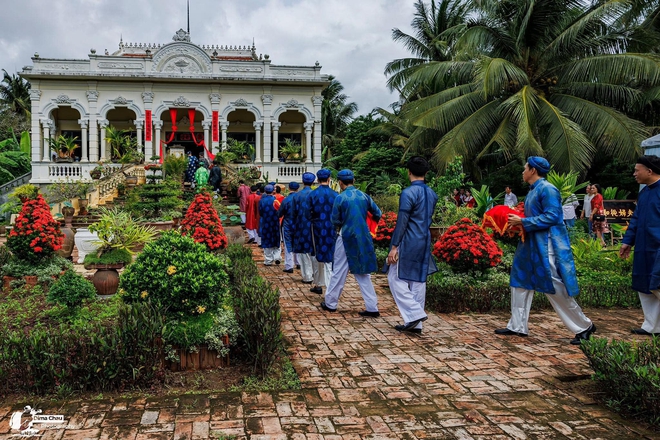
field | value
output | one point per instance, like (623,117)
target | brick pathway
(364,380)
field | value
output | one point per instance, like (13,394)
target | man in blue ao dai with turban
(269,227)
(544,261)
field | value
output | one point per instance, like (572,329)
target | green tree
(15,94)
(336,114)
(539,77)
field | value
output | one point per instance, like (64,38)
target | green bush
(242,267)
(209,328)
(5,255)
(98,358)
(71,289)
(115,256)
(177,275)
(628,373)
(47,268)
(387,203)
(257,308)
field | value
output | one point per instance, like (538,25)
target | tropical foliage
(336,113)
(565,79)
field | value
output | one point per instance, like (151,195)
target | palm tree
(336,111)
(15,94)
(436,27)
(539,77)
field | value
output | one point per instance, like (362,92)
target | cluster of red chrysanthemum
(36,235)
(203,224)
(467,248)
(386,226)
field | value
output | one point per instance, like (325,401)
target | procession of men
(326,235)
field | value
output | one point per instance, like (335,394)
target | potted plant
(64,146)
(97,171)
(292,151)
(243,151)
(82,188)
(118,234)
(121,189)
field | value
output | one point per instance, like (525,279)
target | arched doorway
(66,124)
(121,120)
(182,136)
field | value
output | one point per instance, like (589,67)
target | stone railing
(106,187)
(281,171)
(21,180)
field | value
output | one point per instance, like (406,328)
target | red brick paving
(361,379)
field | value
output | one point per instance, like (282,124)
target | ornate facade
(178,93)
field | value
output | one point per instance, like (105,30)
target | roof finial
(188,17)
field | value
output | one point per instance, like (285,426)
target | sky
(351,39)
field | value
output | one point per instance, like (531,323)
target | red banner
(215,130)
(147,125)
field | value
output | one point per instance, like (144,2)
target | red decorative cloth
(497,219)
(372,225)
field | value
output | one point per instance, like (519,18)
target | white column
(138,127)
(276,150)
(157,125)
(206,125)
(308,141)
(103,123)
(44,151)
(317,142)
(257,141)
(148,99)
(267,100)
(224,125)
(84,154)
(35,96)
(92,99)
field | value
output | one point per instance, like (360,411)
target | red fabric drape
(174,129)
(201,143)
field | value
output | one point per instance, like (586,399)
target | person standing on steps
(318,209)
(215,178)
(302,239)
(644,234)
(354,247)
(410,260)
(269,227)
(252,216)
(243,194)
(544,261)
(288,227)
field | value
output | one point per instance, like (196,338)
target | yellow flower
(121,292)
(201,309)
(144,294)
(171,270)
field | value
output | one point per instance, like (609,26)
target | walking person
(410,261)
(215,178)
(288,227)
(598,220)
(544,261)
(510,198)
(586,206)
(192,167)
(269,227)
(243,194)
(252,216)
(354,247)
(568,209)
(201,176)
(302,239)
(318,208)
(644,235)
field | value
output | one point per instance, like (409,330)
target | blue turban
(294,186)
(323,174)
(269,189)
(345,175)
(272,183)
(308,178)
(541,164)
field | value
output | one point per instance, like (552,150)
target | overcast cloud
(350,38)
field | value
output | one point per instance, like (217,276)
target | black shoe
(277,262)
(250,241)
(288,271)
(297,266)
(326,308)
(317,290)
(403,328)
(507,332)
(583,336)
(306,282)
(642,332)
(369,314)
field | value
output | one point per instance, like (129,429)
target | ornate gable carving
(121,100)
(181,58)
(63,99)
(292,104)
(240,102)
(181,101)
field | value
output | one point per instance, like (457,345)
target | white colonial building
(180,94)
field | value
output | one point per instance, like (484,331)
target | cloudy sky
(350,38)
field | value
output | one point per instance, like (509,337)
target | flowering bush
(385,230)
(467,248)
(203,224)
(36,235)
(177,275)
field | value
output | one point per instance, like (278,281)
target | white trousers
(272,254)
(243,218)
(568,310)
(289,259)
(410,296)
(322,273)
(252,233)
(307,266)
(651,309)
(338,280)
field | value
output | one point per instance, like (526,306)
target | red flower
(203,224)
(466,247)
(386,226)
(36,235)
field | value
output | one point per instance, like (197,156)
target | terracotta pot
(95,174)
(68,212)
(131,181)
(69,239)
(161,226)
(30,281)
(436,232)
(106,278)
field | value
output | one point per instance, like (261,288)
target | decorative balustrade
(292,171)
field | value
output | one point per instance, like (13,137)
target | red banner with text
(215,126)
(147,125)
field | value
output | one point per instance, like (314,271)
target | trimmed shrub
(71,289)
(628,373)
(203,224)
(177,275)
